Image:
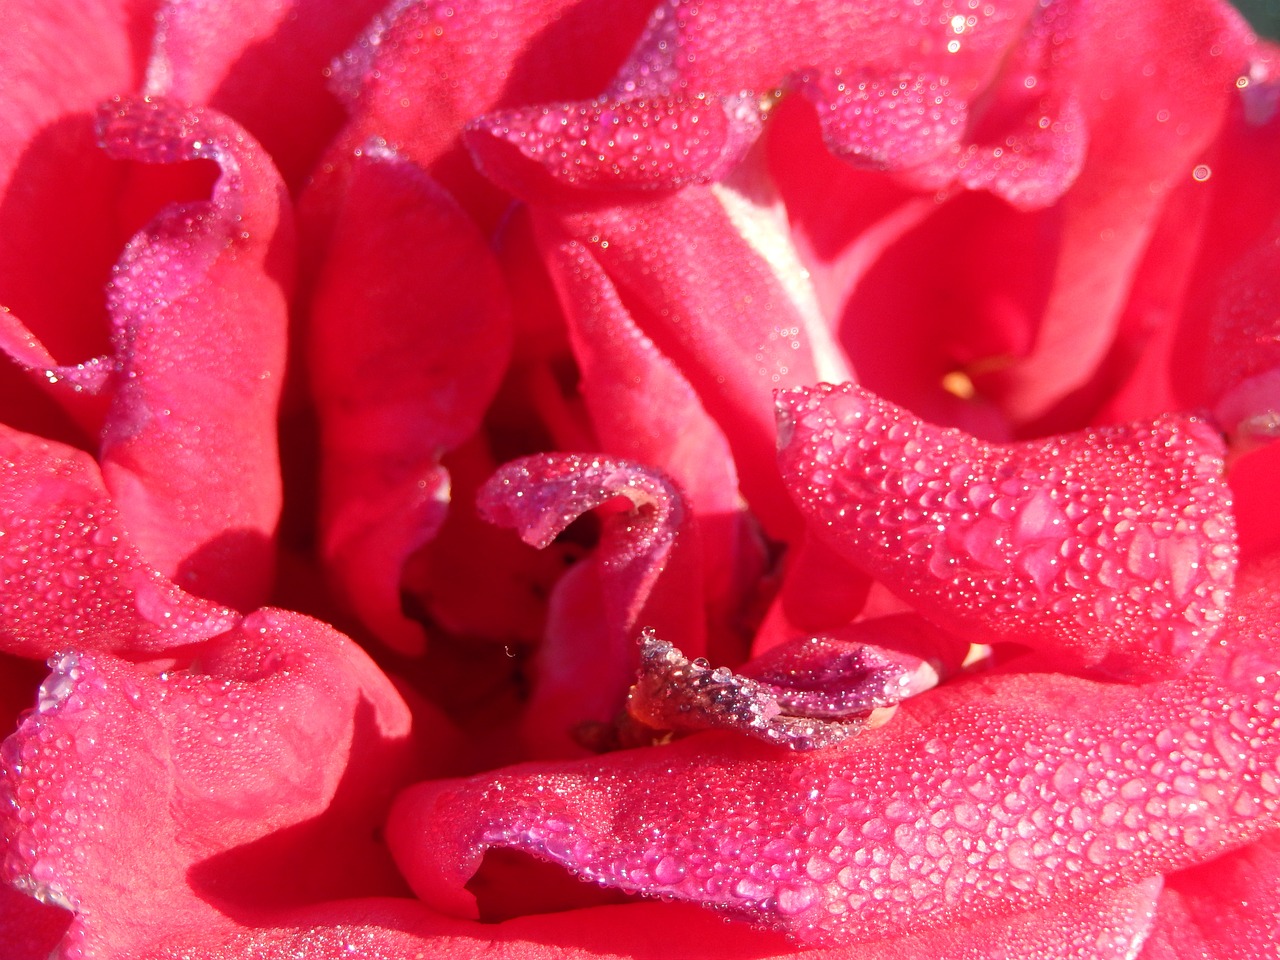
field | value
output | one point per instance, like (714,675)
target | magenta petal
(73,575)
(198,307)
(984,797)
(1113,549)
(410,334)
(125,784)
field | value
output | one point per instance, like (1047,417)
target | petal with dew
(198,308)
(140,798)
(72,574)
(645,565)
(1112,549)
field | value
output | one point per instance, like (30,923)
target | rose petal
(1031,543)
(709,275)
(1176,63)
(29,930)
(1200,304)
(51,178)
(400,79)
(189,449)
(1106,926)
(589,655)
(72,574)
(994,795)
(126,787)
(250,62)
(602,145)
(410,334)
(805,696)
(643,409)
(1228,907)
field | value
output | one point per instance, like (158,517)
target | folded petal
(199,319)
(643,409)
(543,154)
(984,797)
(709,275)
(401,79)
(1113,549)
(59,229)
(1226,908)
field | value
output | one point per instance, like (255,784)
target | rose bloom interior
(585,479)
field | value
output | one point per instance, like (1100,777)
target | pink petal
(189,449)
(73,575)
(985,797)
(1113,549)
(410,334)
(129,789)
(264,65)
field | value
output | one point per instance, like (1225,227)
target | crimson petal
(1112,549)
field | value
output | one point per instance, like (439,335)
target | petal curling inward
(588,658)
(136,797)
(984,797)
(199,321)
(410,334)
(71,573)
(1112,550)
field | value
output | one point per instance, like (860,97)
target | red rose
(883,394)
